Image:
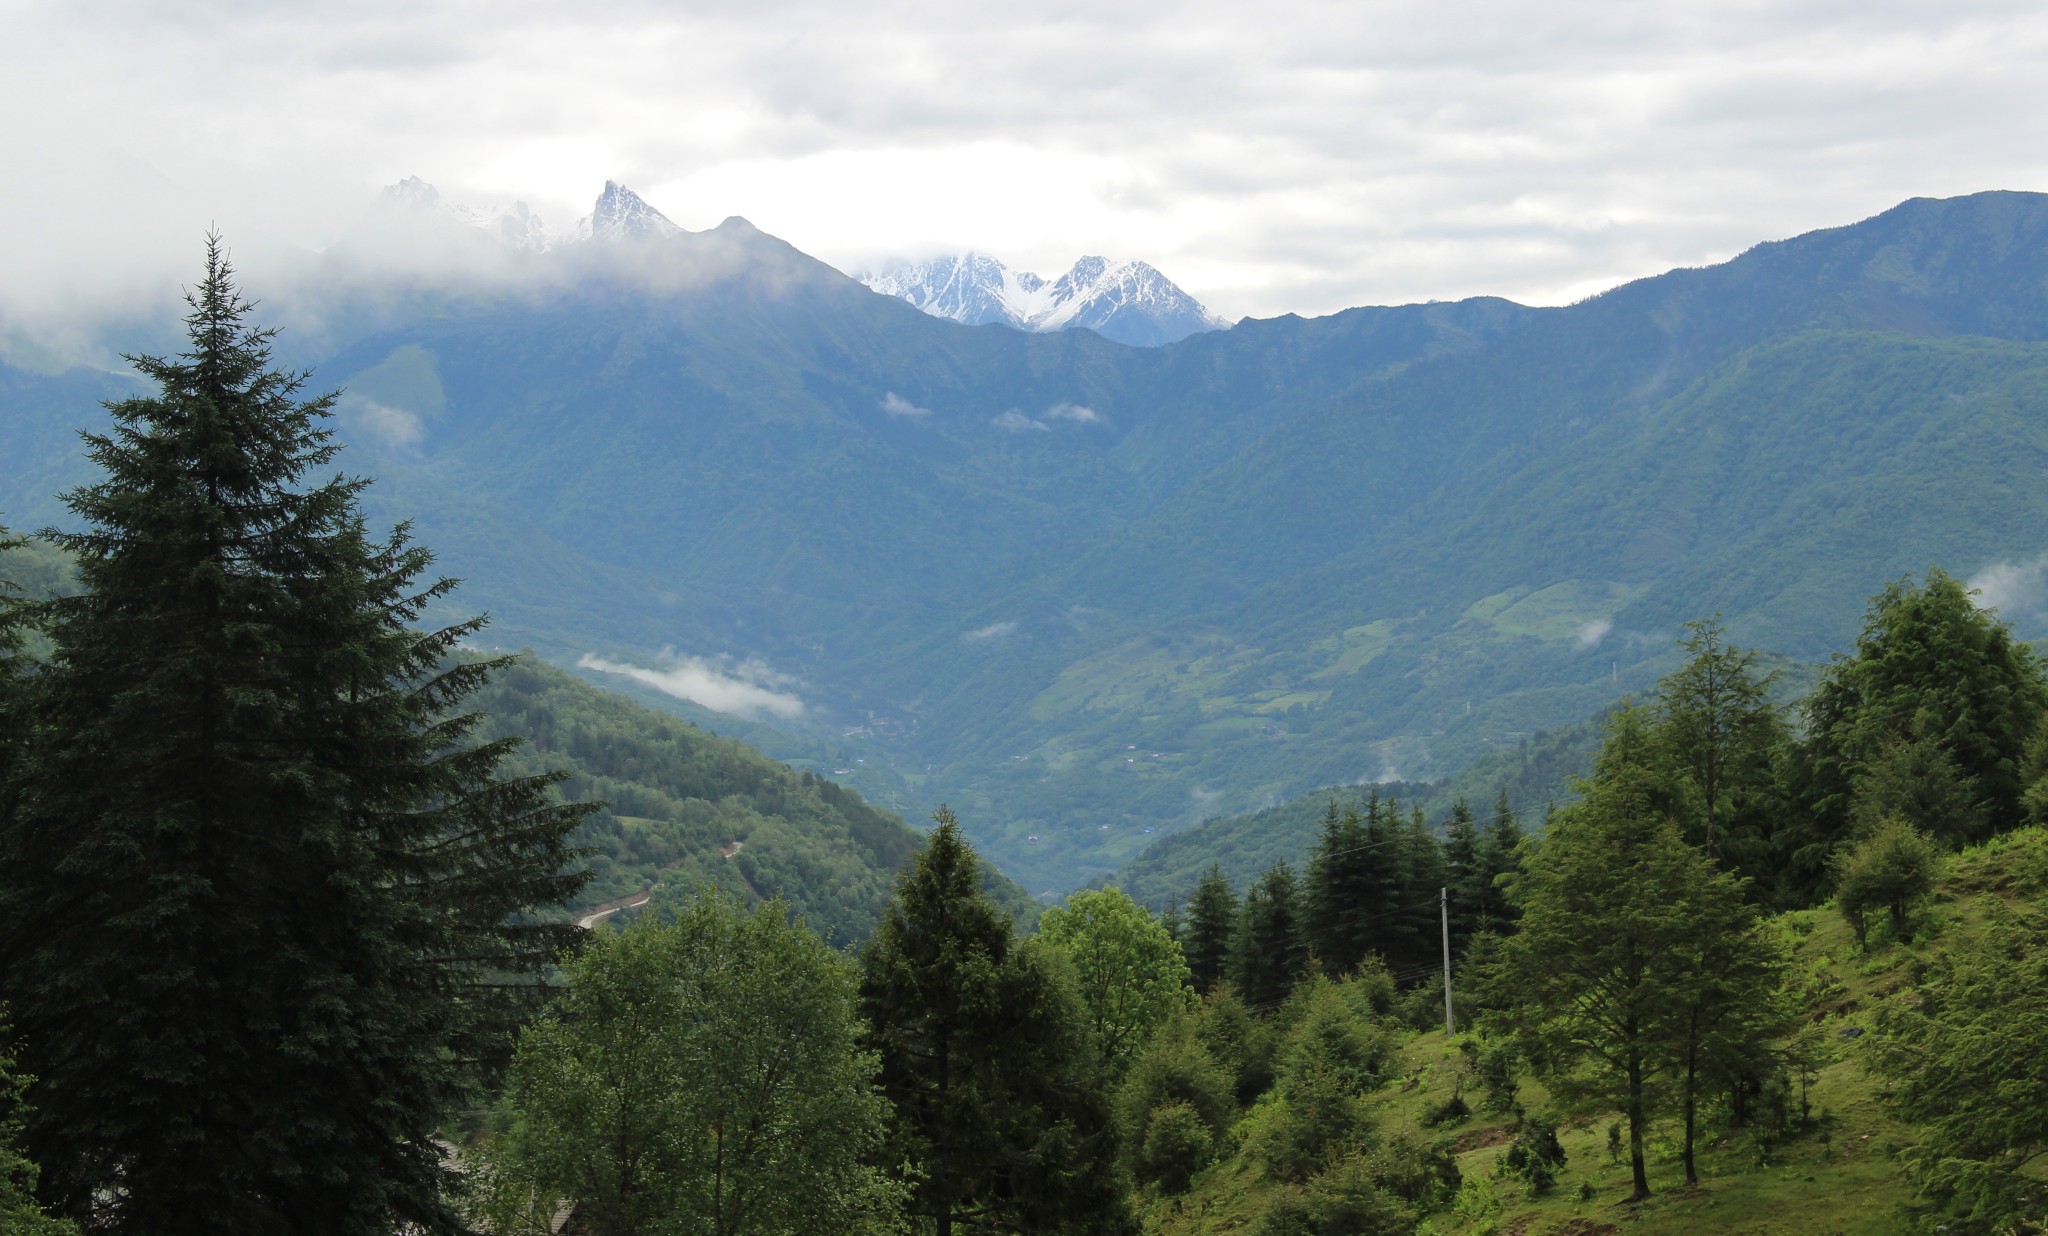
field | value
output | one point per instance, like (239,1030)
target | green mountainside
(1091,595)
(686,809)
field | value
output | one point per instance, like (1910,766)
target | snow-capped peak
(1130,302)
(621,214)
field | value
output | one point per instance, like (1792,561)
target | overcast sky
(1275,156)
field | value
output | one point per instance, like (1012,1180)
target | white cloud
(743,690)
(994,630)
(391,427)
(1072,412)
(1289,156)
(896,405)
(1592,633)
(1017,422)
(2017,590)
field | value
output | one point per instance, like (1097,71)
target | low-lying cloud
(746,689)
(2017,590)
(383,424)
(1592,634)
(1016,422)
(896,405)
(1073,412)
(994,630)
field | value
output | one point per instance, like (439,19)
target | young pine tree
(262,904)
(984,1055)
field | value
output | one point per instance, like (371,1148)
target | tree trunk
(1692,1176)
(1635,1130)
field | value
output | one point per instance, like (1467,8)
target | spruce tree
(1415,935)
(263,904)
(1500,860)
(1269,950)
(985,1057)
(1330,907)
(1463,874)
(1211,922)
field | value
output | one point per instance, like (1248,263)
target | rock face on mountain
(621,214)
(1129,302)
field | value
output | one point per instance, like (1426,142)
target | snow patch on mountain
(622,214)
(1128,301)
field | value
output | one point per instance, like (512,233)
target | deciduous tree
(1131,974)
(699,1078)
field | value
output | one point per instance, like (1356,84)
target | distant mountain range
(1130,302)
(1126,301)
(1090,594)
(619,214)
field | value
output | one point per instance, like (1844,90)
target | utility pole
(1444,905)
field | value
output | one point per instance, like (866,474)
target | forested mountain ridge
(1085,591)
(686,810)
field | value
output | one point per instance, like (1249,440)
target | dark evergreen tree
(1173,920)
(985,1058)
(1331,908)
(1211,923)
(1414,932)
(1500,860)
(11,724)
(1464,875)
(263,905)
(1269,951)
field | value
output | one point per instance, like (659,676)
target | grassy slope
(1838,1177)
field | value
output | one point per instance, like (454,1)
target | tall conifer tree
(1211,923)
(1269,951)
(986,1059)
(262,902)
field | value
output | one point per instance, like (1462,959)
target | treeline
(1373,889)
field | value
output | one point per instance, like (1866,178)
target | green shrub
(1450,1111)
(1178,1143)
(1535,1158)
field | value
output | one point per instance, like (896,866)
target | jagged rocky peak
(1130,302)
(621,214)
(514,226)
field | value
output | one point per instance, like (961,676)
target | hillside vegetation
(686,810)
